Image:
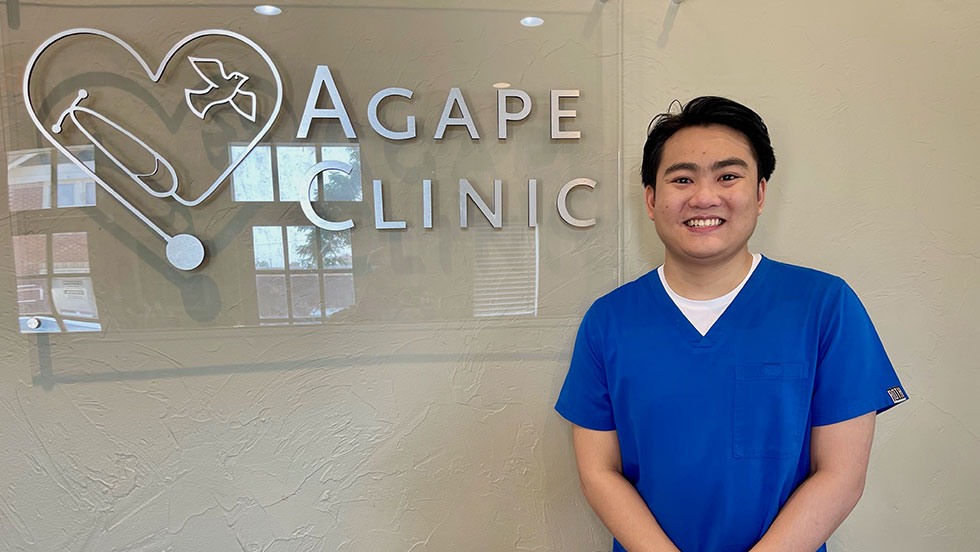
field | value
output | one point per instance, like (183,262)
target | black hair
(705,111)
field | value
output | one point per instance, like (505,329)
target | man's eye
(728,177)
(682,180)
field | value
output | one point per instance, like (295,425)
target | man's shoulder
(629,292)
(630,299)
(803,277)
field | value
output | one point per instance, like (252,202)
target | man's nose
(705,195)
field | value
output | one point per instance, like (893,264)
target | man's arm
(612,497)
(839,459)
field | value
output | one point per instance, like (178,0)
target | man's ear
(760,194)
(649,199)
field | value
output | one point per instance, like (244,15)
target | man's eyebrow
(730,162)
(693,167)
(716,166)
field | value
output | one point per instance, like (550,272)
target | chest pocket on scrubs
(771,406)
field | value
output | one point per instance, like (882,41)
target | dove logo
(229,91)
(154,174)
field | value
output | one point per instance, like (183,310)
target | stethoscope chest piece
(185,252)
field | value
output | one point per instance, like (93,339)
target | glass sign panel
(343,170)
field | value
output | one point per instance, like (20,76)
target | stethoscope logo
(219,89)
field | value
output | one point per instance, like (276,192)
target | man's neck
(701,282)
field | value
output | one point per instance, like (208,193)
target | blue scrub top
(714,430)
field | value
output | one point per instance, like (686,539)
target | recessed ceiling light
(532,21)
(501,85)
(266,9)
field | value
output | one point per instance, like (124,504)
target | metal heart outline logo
(184,251)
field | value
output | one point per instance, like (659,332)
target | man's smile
(703,222)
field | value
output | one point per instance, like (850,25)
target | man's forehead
(707,135)
(707,146)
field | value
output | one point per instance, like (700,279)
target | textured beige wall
(439,437)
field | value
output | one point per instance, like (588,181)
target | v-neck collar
(683,327)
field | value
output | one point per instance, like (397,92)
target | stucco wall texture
(447,439)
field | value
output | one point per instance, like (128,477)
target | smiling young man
(725,401)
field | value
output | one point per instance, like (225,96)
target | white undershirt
(703,314)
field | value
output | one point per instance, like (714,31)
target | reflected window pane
(76,194)
(33,296)
(267,247)
(75,187)
(335,249)
(304,289)
(293,163)
(30,255)
(70,252)
(338,292)
(29,179)
(252,180)
(74,297)
(271,295)
(302,247)
(337,185)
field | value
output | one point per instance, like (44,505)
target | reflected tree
(333,249)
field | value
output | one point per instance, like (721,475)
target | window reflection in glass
(338,290)
(271,291)
(293,163)
(70,252)
(304,290)
(303,273)
(335,249)
(302,245)
(338,186)
(252,180)
(316,280)
(256,180)
(267,247)
(33,296)
(75,187)
(30,175)
(62,303)
(29,179)
(74,297)
(30,255)
(505,271)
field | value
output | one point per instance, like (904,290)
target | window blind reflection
(505,272)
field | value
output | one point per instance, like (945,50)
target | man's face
(708,195)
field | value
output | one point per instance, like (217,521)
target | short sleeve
(584,398)
(854,375)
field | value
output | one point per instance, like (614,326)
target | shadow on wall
(47,378)
(13,14)
(668,23)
